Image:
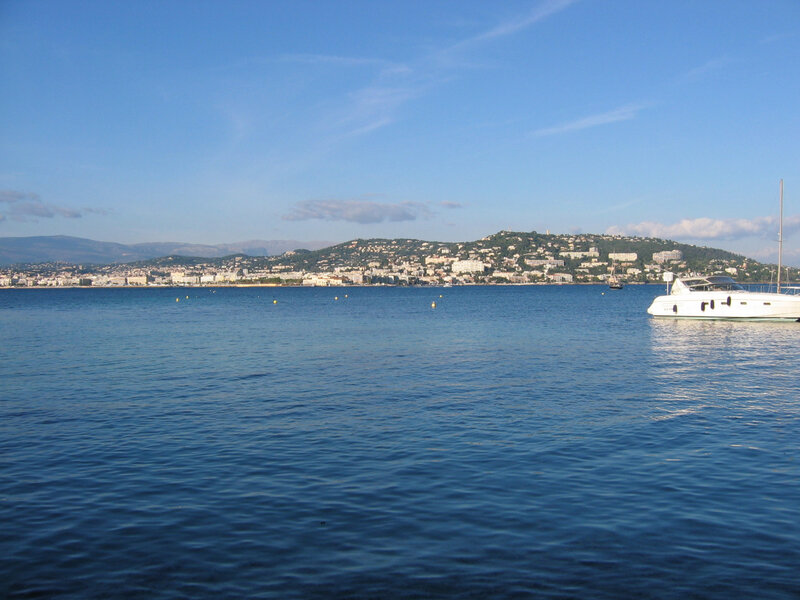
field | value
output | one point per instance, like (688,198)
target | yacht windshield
(710,284)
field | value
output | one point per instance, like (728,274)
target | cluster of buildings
(505,257)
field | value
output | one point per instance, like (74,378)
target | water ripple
(516,442)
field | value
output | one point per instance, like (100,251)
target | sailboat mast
(780,240)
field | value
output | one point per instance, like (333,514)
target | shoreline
(354,285)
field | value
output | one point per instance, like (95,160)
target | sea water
(515,441)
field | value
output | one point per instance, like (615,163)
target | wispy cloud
(371,93)
(623,113)
(709,66)
(454,55)
(338,61)
(377,104)
(617,207)
(538,13)
(710,229)
(776,37)
(357,211)
(28,206)
(629,111)
(451,205)
(14,196)
(370,126)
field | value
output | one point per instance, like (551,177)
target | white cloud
(710,229)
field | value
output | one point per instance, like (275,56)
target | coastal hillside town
(503,258)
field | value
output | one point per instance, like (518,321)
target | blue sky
(220,121)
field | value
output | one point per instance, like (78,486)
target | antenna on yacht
(780,240)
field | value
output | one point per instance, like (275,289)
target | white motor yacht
(719,297)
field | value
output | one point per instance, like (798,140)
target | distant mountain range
(74,250)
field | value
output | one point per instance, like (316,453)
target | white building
(291,275)
(546,262)
(439,260)
(623,256)
(667,256)
(317,280)
(592,253)
(137,279)
(468,266)
(356,277)
(510,275)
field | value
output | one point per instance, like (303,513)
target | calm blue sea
(511,442)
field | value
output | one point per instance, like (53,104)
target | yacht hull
(735,306)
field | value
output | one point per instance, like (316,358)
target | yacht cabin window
(712,284)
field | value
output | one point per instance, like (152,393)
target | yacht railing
(771,288)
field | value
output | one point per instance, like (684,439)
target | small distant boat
(720,297)
(614,282)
